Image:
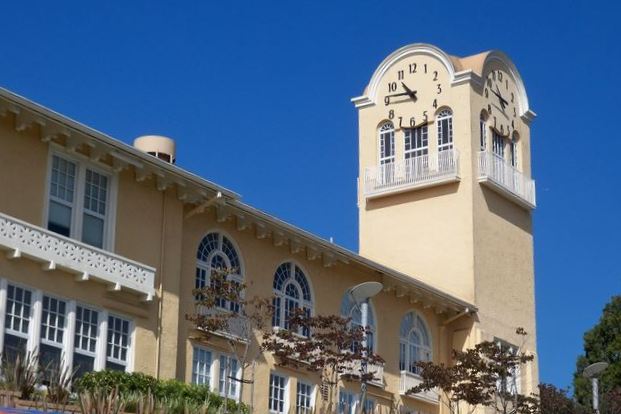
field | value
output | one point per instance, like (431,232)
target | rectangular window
(416,142)
(278,388)
(16,322)
(78,202)
(53,318)
(347,402)
(228,376)
(86,332)
(201,366)
(369,406)
(513,153)
(445,134)
(511,383)
(498,145)
(118,343)
(304,398)
(482,135)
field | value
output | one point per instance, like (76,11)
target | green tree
(601,343)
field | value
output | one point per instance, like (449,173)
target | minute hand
(503,101)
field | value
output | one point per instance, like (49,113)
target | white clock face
(412,90)
(501,95)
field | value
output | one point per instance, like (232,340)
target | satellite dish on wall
(365,290)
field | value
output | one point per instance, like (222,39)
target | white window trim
(281,295)
(34,328)
(313,393)
(382,159)
(287,392)
(355,401)
(77,211)
(214,370)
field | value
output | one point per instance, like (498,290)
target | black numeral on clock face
(425,66)
(499,76)
(412,67)
(412,122)
(435,104)
(439,88)
(387,100)
(391,114)
(435,75)
(400,75)
(392,86)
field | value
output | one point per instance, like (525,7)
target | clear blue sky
(257,96)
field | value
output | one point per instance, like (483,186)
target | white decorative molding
(88,262)
(496,56)
(396,56)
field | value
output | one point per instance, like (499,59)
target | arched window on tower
(483,131)
(444,122)
(387,143)
(291,292)
(349,309)
(216,253)
(414,343)
(513,149)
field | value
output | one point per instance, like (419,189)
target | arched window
(513,149)
(483,131)
(444,121)
(217,253)
(414,342)
(350,310)
(291,291)
(498,144)
(387,143)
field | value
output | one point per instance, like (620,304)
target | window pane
(49,360)
(18,309)
(95,192)
(92,230)
(82,364)
(53,320)
(13,346)
(62,179)
(201,366)
(59,220)
(118,340)
(86,329)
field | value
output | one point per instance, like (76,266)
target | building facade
(103,242)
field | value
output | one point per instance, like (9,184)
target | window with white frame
(511,383)
(64,334)
(304,398)
(513,151)
(349,309)
(79,201)
(483,132)
(16,322)
(291,292)
(277,403)
(416,142)
(414,342)
(228,376)
(498,144)
(369,406)
(216,253)
(387,143)
(444,122)
(201,366)
(118,343)
(53,322)
(85,342)
(347,402)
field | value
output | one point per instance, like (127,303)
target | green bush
(175,395)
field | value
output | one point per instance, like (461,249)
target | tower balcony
(499,175)
(412,173)
(86,262)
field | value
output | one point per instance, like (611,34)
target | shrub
(135,388)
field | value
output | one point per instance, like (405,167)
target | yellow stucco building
(102,242)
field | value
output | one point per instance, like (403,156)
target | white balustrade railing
(376,369)
(408,381)
(25,239)
(412,172)
(496,169)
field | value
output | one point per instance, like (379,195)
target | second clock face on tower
(412,91)
(501,95)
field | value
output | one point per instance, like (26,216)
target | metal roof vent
(158,146)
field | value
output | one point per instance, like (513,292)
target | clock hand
(410,93)
(503,101)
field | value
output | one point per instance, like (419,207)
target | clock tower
(445,189)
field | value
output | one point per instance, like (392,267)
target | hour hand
(409,92)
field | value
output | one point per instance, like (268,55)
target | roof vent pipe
(158,146)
